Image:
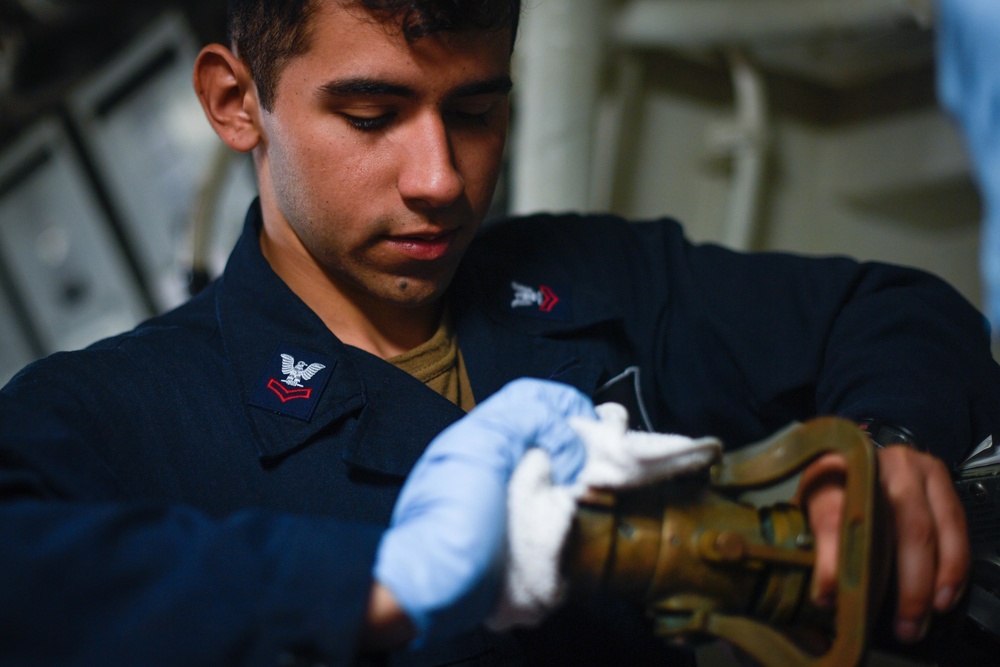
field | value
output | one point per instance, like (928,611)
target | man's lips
(425,247)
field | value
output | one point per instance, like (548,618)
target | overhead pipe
(706,23)
(562,50)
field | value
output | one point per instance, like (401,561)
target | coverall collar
(261,319)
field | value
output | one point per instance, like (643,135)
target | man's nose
(428,173)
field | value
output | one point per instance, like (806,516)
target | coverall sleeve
(92,580)
(745,343)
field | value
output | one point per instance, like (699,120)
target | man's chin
(411,293)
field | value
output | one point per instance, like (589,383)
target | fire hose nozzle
(706,563)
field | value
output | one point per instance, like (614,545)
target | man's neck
(383,329)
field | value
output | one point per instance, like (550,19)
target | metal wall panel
(57,249)
(15,350)
(152,147)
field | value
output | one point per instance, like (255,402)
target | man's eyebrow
(375,87)
(363,86)
(500,85)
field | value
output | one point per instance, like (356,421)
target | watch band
(883,434)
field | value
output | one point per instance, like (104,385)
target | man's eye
(369,123)
(470,116)
(474,111)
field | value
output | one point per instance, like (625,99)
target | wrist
(386,625)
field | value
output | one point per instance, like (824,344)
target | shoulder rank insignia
(292,382)
(545,301)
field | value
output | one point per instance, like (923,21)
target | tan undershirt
(438,364)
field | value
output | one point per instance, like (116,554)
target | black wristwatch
(883,434)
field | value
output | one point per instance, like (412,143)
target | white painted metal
(556,165)
(700,23)
(615,129)
(144,129)
(561,50)
(749,142)
(57,248)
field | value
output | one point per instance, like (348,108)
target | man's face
(382,155)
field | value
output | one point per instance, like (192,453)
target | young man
(361,314)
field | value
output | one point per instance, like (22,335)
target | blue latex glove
(442,556)
(969,87)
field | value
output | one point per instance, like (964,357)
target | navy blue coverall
(199,491)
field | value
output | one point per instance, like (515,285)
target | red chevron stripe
(286,394)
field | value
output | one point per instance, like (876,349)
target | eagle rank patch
(550,302)
(292,382)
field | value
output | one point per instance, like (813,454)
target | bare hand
(928,528)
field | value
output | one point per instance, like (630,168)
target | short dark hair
(266,34)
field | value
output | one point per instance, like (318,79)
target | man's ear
(228,97)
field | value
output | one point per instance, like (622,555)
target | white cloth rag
(540,513)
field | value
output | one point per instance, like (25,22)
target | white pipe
(692,23)
(616,130)
(750,151)
(560,52)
